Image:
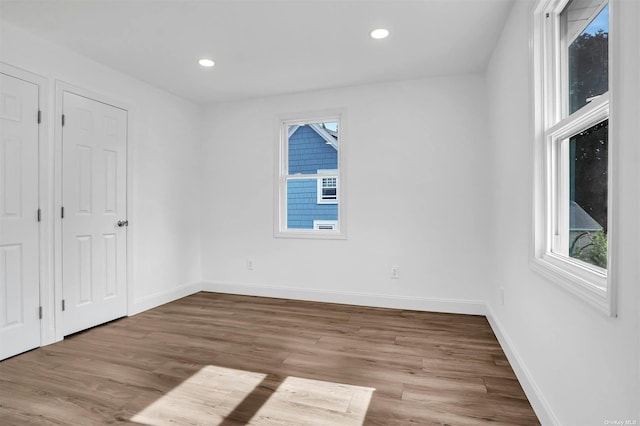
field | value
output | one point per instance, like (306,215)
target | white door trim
(60,88)
(45,171)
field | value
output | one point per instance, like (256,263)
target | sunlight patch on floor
(207,397)
(213,393)
(299,401)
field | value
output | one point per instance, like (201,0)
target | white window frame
(327,173)
(552,128)
(282,177)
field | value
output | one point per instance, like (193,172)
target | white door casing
(19,227)
(94,155)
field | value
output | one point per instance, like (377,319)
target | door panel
(19,246)
(94,138)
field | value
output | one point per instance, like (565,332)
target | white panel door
(19,230)
(94,148)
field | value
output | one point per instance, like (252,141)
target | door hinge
(61,212)
(40,312)
(62,120)
(39,215)
(39,116)
(63,306)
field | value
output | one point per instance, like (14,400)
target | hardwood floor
(219,359)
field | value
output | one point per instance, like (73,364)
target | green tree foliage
(589,171)
(588,68)
(594,251)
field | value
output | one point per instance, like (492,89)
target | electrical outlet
(395,272)
(249,264)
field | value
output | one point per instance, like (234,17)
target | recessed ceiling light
(206,62)
(379,33)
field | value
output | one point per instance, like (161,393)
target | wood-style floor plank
(233,360)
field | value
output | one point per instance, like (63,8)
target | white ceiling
(268,47)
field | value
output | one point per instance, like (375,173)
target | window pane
(312,147)
(588,50)
(329,182)
(588,177)
(302,206)
(329,194)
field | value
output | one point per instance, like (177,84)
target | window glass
(302,206)
(586,28)
(588,192)
(329,187)
(325,224)
(312,175)
(312,146)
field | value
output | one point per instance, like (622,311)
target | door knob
(123,223)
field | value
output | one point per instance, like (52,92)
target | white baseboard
(531,389)
(157,299)
(453,306)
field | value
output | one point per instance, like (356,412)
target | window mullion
(596,111)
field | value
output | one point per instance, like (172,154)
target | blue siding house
(312,203)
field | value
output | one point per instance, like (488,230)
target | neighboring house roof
(330,137)
(580,220)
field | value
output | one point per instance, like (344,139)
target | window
(309,179)
(327,190)
(573,168)
(325,224)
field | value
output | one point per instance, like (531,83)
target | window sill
(311,234)
(588,285)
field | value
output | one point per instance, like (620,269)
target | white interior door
(94,141)
(19,247)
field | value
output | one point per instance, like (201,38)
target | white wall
(416,158)
(431,188)
(582,364)
(165,137)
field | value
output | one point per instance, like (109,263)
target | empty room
(320,212)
